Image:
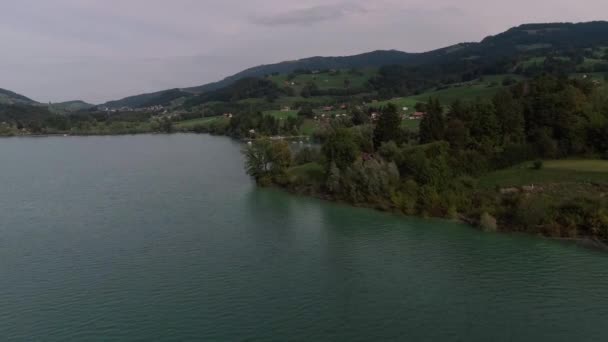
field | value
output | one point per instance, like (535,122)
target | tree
(420,107)
(510,117)
(389,151)
(265,159)
(388,127)
(310,89)
(306,111)
(485,129)
(258,158)
(457,134)
(341,148)
(166,125)
(333,180)
(461,111)
(359,117)
(432,127)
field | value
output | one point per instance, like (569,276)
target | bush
(488,223)
(308,155)
(538,164)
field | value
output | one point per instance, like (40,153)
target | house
(344,106)
(228,115)
(285,109)
(418,115)
(328,108)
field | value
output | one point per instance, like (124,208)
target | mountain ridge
(11,98)
(540,36)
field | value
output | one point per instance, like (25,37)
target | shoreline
(585,242)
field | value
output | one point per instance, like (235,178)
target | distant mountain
(164,98)
(14,113)
(500,53)
(70,106)
(370,59)
(8,97)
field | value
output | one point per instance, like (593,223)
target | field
(467,92)
(326,80)
(597,76)
(534,61)
(554,171)
(590,62)
(412,125)
(282,115)
(308,172)
(483,88)
(314,101)
(400,102)
(189,124)
(309,127)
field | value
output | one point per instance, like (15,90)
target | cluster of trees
(33,119)
(245,88)
(549,116)
(311,89)
(252,125)
(435,172)
(267,161)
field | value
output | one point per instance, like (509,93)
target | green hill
(365,60)
(11,98)
(163,98)
(525,50)
(69,106)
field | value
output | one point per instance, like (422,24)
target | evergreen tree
(359,117)
(432,127)
(510,117)
(388,127)
(341,148)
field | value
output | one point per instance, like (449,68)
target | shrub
(308,155)
(538,164)
(389,150)
(488,223)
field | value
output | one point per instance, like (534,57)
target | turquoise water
(165,238)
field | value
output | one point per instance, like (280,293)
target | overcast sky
(98,50)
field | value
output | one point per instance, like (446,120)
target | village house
(418,116)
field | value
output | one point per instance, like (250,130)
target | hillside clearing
(554,171)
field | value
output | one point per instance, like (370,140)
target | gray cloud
(308,16)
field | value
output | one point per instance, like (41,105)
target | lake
(164,237)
